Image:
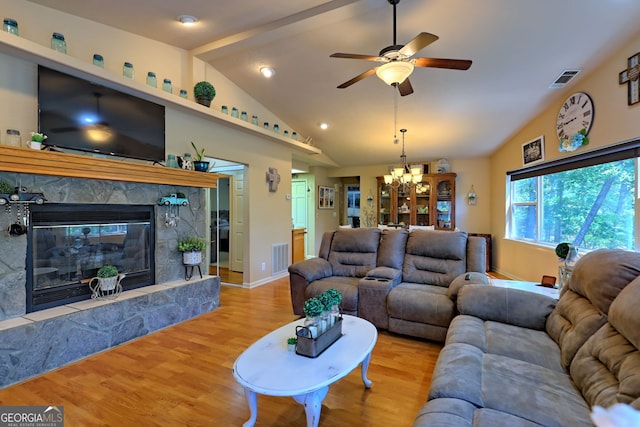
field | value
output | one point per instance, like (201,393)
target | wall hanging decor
(326,197)
(533,151)
(630,78)
(273,178)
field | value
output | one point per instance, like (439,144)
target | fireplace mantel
(26,160)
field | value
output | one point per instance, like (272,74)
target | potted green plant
(199,163)
(291,343)
(191,248)
(108,277)
(313,309)
(204,92)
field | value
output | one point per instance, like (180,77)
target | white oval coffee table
(267,367)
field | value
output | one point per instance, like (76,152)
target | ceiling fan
(398,61)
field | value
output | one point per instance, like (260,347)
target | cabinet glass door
(444,204)
(423,194)
(404,209)
(384,214)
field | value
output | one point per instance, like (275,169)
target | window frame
(622,151)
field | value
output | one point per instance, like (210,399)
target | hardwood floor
(181,376)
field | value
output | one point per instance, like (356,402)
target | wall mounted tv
(81,115)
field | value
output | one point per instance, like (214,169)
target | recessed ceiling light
(187,20)
(267,71)
(324,126)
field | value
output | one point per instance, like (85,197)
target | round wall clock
(575,115)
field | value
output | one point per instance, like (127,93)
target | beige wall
(268,215)
(476,172)
(614,122)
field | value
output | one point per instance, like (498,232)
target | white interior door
(236,226)
(299,203)
(299,207)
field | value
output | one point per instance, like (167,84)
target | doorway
(299,207)
(227,223)
(352,203)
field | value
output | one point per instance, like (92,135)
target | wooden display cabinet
(434,206)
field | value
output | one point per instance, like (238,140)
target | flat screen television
(78,114)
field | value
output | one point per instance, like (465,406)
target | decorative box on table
(313,347)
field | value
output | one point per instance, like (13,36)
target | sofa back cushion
(392,246)
(325,244)
(434,257)
(354,251)
(597,278)
(606,369)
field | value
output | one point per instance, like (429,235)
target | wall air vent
(564,78)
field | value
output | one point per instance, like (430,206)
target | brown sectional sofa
(398,280)
(515,358)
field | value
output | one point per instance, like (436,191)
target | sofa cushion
(391,249)
(584,303)
(601,275)
(607,366)
(347,286)
(434,257)
(506,305)
(503,384)
(502,339)
(420,303)
(354,251)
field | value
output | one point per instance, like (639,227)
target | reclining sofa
(519,359)
(398,280)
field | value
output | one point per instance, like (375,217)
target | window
(587,200)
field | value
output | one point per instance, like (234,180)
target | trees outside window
(591,207)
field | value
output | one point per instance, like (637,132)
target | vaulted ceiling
(518,48)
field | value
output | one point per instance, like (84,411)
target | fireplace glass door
(69,243)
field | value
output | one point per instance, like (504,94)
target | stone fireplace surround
(37,342)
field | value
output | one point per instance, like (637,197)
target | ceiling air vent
(564,78)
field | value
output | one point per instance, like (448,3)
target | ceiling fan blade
(405,87)
(419,42)
(455,64)
(354,56)
(357,78)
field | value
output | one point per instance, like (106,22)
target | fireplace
(68,243)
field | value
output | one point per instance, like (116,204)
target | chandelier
(404,178)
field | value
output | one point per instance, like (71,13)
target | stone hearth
(34,343)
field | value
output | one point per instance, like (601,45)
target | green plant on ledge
(107,271)
(292,340)
(199,153)
(562,250)
(191,244)
(204,92)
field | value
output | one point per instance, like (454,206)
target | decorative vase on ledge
(201,166)
(191,258)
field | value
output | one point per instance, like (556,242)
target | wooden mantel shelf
(26,160)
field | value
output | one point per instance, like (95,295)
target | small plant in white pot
(191,248)
(107,277)
(106,284)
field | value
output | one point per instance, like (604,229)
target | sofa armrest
(505,305)
(372,295)
(392,274)
(301,274)
(465,279)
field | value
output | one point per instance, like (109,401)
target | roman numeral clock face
(575,114)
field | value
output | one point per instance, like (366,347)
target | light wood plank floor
(181,376)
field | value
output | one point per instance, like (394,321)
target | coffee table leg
(365,367)
(252,399)
(312,405)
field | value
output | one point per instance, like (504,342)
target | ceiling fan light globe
(394,72)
